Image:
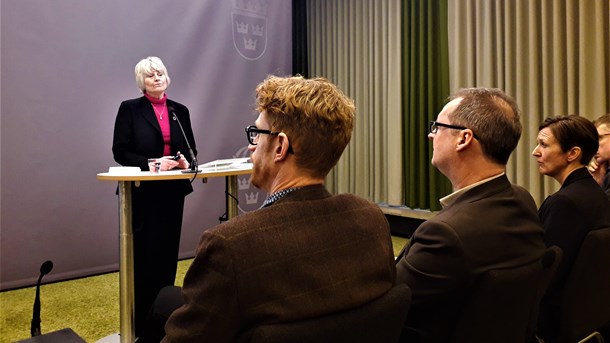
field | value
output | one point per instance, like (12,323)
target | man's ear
(465,138)
(574,154)
(281,151)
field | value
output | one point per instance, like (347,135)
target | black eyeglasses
(252,133)
(434,125)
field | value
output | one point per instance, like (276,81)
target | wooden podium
(124,177)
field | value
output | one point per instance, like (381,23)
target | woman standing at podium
(145,128)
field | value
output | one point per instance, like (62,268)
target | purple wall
(65,67)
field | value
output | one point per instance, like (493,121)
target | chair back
(379,321)
(550,263)
(585,303)
(503,306)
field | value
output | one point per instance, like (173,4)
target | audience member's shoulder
(524,195)
(561,203)
(558,200)
(353,199)
(242,223)
(346,202)
(521,190)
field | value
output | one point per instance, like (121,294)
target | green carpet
(89,306)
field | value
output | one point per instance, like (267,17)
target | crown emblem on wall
(251,198)
(255,6)
(242,27)
(249,26)
(257,30)
(250,44)
(243,183)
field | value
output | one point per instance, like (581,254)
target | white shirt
(449,199)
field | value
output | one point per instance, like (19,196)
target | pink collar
(155,100)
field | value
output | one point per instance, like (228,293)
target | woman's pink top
(160,108)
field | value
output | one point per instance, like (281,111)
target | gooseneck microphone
(194,166)
(45,269)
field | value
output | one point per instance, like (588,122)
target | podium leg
(127,310)
(231,198)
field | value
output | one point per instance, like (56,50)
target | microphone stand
(194,166)
(45,268)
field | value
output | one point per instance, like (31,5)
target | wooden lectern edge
(170,175)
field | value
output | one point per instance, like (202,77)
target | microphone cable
(225,216)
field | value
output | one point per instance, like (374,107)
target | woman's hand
(182,162)
(597,170)
(168,163)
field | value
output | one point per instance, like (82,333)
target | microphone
(45,269)
(194,166)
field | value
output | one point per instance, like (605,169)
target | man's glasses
(434,125)
(252,132)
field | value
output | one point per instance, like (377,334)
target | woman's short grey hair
(148,66)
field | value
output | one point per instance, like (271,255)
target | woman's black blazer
(137,137)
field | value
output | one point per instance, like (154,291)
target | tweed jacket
(137,137)
(493,225)
(307,255)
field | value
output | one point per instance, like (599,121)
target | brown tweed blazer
(307,255)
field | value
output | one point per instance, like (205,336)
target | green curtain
(299,38)
(425,88)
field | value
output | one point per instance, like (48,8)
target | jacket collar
(576,175)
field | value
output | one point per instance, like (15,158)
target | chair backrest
(378,321)
(585,303)
(550,263)
(503,306)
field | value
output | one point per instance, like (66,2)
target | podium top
(218,168)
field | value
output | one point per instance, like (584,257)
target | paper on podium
(124,170)
(227,164)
